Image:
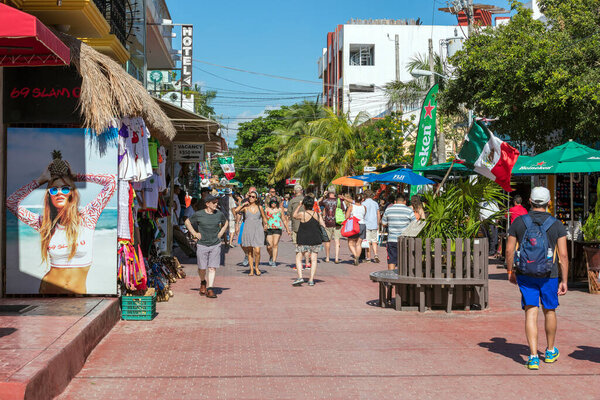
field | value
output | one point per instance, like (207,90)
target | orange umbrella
(347,181)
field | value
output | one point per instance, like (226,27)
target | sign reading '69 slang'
(426,133)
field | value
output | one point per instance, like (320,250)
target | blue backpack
(535,257)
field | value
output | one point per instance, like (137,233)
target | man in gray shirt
(208,226)
(294,202)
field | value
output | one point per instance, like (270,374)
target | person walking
(488,211)
(357,210)
(293,204)
(372,220)
(396,217)
(276,222)
(540,237)
(253,234)
(208,226)
(517,209)
(331,203)
(308,240)
(231,216)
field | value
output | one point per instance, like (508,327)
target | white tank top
(359,211)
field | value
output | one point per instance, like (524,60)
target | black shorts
(392,250)
(362,234)
(274,232)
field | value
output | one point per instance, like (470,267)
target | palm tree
(402,93)
(321,150)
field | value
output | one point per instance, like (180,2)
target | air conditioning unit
(172,97)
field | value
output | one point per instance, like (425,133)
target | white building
(361,57)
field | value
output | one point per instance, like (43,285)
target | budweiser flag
(487,155)
(227,167)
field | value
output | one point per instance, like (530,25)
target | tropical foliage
(455,212)
(387,141)
(591,228)
(256,148)
(319,150)
(534,76)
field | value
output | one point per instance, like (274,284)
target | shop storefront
(85,161)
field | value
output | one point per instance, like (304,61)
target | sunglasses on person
(252,197)
(64,190)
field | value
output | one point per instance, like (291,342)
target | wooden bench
(455,271)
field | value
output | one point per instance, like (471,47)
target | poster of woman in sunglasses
(63,205)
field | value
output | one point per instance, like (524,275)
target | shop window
(362,54)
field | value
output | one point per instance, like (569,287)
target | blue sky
(276,37)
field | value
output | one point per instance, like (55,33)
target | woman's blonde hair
(67,217)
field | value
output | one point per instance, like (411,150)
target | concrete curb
(49,373)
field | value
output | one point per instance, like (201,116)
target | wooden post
(444,180)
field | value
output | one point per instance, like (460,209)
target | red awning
(25,41)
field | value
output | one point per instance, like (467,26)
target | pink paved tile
(263,338)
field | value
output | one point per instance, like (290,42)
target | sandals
(210,293)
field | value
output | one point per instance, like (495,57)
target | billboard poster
(61,228)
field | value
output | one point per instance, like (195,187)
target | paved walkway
(263,338)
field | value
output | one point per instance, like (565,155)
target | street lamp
(422,72)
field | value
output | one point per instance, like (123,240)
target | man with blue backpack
(540,239)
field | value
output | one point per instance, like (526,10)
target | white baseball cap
(540,195)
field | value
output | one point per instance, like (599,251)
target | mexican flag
(228,167)
(487,155)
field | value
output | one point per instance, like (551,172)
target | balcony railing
(115,13)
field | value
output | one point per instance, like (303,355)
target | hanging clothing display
(162,168)
(134,156)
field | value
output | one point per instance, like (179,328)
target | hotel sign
(187,33)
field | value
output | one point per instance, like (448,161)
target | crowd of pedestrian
(312,222)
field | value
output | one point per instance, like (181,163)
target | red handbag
(350,227)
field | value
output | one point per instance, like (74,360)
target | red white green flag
(228,167)
(487,155)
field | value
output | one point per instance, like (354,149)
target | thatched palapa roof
(108,92)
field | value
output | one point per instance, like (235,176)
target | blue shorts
(532,289)
(392,251)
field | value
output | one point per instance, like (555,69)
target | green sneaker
(533,363)
(551,356)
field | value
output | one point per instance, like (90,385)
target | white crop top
(58,248)
(359,211)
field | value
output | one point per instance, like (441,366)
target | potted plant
(591,234)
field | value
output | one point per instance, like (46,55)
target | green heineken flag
(227,166)
(426,133)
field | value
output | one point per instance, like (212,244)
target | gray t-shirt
(208,225)
(556,231)
(292,207)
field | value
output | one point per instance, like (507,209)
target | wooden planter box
(433,273)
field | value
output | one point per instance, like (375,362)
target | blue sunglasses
(64,190)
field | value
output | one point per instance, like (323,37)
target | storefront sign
(188,152)
(41,95)
(84,179)
(187,40)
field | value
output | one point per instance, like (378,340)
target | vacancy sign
(188,152)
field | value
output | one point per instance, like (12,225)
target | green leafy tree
(386,141)
(256,148)
(535,77)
